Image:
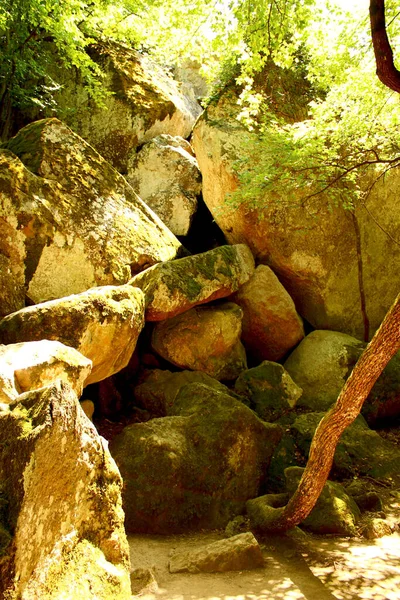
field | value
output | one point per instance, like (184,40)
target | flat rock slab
(238,553)
(103,324)
(174,287)
(32,365)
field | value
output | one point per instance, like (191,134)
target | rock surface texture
(240,552)
(270,326)
(195,468)
(166,176)
(205,338)
(320,255)
(32,365)
(142,103)
(103,324)
(64,504)
(69,221)
(174,287)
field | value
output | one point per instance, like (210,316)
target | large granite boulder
(331,261)
(269,390)
(31,365)
(271,325)
(174,287)
(321,364)
(63,492)
(158,389)
(141,101)
(196,468)
(166,176)
(103,324)
(205,338)
(69,221)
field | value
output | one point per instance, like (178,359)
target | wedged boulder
(196,468)
(32,365)
(166,176)
(269,390)
(141,102)
(334,512)
(174,287)
(69,221)
(103,324)
(322,362)
(158,389)
(320,254)
(271,325)
(205,338)
(238,553)
(360,450)
(64,503)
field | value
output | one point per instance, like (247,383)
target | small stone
(238,553)
(376,528)
(88,408)
(143,581)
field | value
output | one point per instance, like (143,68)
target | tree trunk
(383,346)
(385,69)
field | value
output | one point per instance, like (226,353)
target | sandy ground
(296,568)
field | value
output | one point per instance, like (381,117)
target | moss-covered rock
(141,101)
(334,512)
(196,468)
(359,451)
(69,221)
(205,338)
(31,365)
(322,362)
(174,287)
(158,389)
(103,324)
(65,511)
(270,390)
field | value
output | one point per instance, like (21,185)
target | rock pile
(204,357)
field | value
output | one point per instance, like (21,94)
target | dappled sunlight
(360,569)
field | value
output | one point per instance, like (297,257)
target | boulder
(69,221)
(321,364)
(271,326)
(166,176)
(195,468)
(205,338)
(32,365)
(269,390)
(174,287)
(64,503)
(360,450)
(323,361)
(330,260)
(334,512)
(141,102)
(238,553)
(157,390)
(103,324)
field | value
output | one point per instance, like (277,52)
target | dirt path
(317,568)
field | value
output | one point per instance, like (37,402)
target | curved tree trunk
(385,69)
(383,346)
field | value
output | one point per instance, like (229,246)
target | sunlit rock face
(61,503)
(69,221)
(103,324)
(141,101)
(340,269)
(166,176)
